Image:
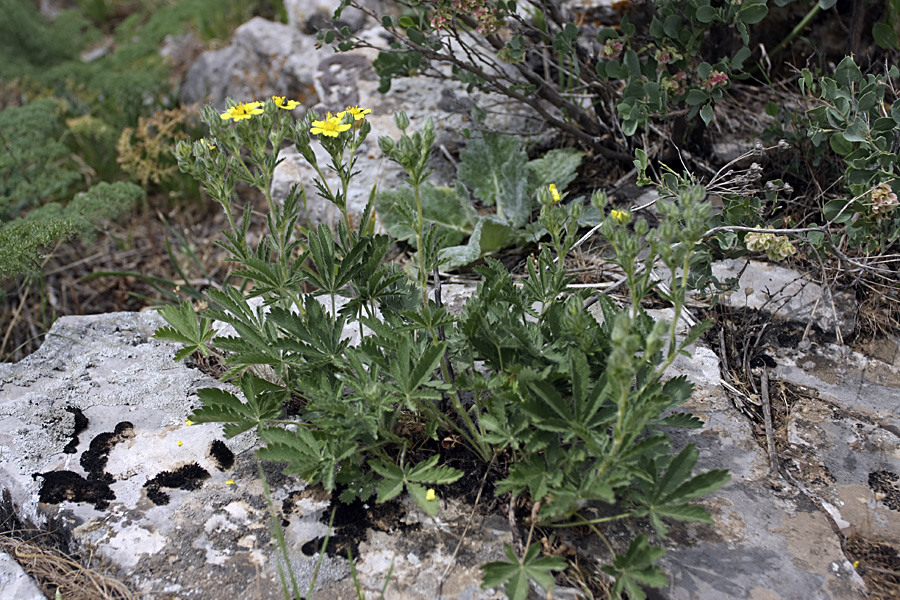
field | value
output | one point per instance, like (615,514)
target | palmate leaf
(515,575)
(312,458)
(667,496)
(636,568)
(395,478)
(185,329)
(263,403)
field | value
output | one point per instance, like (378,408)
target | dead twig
(767,420)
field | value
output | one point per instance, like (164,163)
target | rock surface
(788,295)
(15,584)
(93,443)
(264,59)
(156,497)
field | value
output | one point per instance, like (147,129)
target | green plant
(25,241)
(570,71)
(491,167)
(858,117)
(575,406)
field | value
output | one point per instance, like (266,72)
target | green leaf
(837,211)
(753,11)
(707,114)
(847,73)
(636,568)
(706,14)
(185,329)
(839,144)
(696,97)
(440,205)
(514,575)
(826,4)
(492,167)
(558,167)
(858,131)
(632,63)
(263,403)
(682,420)
(419,494)
(458,256)
(737,61)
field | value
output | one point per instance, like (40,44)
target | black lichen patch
(222,455)
(60,486)
(81,423)
(352,521)
(188,477)
(884,483)
(94,458)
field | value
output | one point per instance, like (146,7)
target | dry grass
(54,570)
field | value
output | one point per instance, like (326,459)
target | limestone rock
(264,59)
(93,443)
(789,295)
(15,582)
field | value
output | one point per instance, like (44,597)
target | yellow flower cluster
(554,193)
(620,216)
(333,125)
(430,495)
(242,110)
(245,110)
(286,105)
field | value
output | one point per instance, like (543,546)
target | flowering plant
(524,373)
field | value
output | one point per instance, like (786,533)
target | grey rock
(787,294)
(210,537)
(309,15)
(15,583)
(764,544)
(264,59)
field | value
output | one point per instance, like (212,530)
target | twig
(767,419)
(722,351)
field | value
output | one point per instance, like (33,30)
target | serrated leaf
(388,489)
(419,494)
(185,329)
(685,512)
(702,484)
(514,575)
(263,403)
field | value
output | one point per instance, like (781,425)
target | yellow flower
(179,442)
(855,564)
(242,111)
(330,127)
(229,482)
(356,112)
(429,495)
(620,216)
(188,422)
(280,103)
(554,193)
